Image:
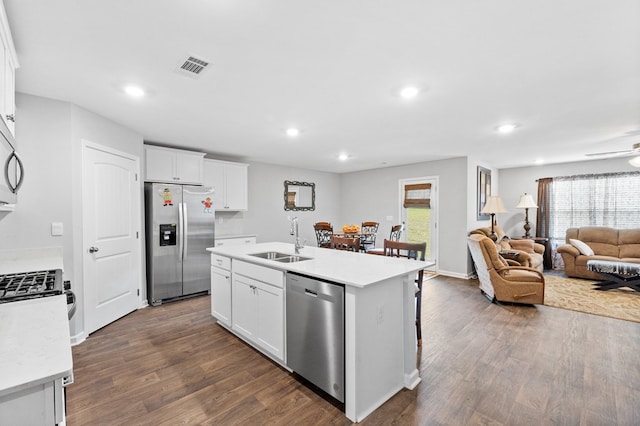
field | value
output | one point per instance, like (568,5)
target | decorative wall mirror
(299,196)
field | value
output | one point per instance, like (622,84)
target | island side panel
(411,372)
(375,325)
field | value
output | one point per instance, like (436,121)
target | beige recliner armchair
(498,281)
(530,253)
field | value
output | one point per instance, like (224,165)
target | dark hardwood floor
(480,363)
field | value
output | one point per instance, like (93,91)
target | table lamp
(492,206)
(526,203)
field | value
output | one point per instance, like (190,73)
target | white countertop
(348,268)
(34,343)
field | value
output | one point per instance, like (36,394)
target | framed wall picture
(484,190)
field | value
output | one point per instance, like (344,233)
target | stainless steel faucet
(293,230)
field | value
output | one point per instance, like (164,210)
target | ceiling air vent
(193,67)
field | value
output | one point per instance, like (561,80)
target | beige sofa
(530,253)
(610,244)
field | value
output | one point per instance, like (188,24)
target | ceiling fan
(635,150)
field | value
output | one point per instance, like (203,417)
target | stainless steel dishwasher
(315,332)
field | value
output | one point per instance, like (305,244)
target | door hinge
(136,177)
(137,235)
(138,292)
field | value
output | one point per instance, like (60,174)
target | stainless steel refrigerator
(180,222)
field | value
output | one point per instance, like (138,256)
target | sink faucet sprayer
(293,230)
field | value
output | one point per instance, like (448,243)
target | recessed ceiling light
(635,161)
(134,91)
(507,127)
(343,157)
(409,92)
(292,132)
(539,161)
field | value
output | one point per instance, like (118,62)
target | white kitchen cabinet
(221,289)
(170,165)
(42,404)
(235,241)
(8,65)
(230,181)
(258,306)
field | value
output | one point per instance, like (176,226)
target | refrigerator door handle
(181,236)
(185,222)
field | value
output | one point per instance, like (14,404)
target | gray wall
(517,181)
(266,216)
(49,137)
(374,195)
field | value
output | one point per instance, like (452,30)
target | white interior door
(111,225)
(421,220)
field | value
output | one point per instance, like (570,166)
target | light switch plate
(56,229)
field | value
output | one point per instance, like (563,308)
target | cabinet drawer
(260,273)
(235,241)
(221,262)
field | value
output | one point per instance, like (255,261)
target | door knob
(93,249)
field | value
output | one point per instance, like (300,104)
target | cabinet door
(244,303)
(270,326)
(213,176)
(188,168)
(159,165)
(221,295)
(236,186)
(10,95)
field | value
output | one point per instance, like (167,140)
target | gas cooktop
(30,285)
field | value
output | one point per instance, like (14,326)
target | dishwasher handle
(310,292)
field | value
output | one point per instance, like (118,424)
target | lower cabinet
(37,405)
(221,295)
(249,299)
(258,313)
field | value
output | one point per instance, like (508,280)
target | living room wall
(517,181)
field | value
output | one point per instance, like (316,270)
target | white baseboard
(455,274)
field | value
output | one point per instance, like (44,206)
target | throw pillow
(582,247)
(523,245)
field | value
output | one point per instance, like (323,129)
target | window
(611,199)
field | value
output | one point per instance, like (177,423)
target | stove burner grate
(29,285)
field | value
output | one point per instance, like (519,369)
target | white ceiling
(567,71)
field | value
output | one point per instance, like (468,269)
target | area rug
(578,295)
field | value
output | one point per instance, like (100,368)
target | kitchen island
(379,312)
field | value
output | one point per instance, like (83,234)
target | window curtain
(417,195)
(543,216)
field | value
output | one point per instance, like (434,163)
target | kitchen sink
(270,255)
(291,259)
(280,257)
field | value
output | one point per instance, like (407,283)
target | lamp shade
(526,202)
(635,161)
(494,205)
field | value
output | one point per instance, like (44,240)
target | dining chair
(345,243)
(415,251)
(324,232)
(394,235)
(369,230)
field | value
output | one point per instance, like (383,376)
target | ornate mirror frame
(292,195)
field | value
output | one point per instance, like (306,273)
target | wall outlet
(56,229)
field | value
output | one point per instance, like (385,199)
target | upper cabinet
(173,165)
(8,65)
(230,183)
